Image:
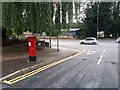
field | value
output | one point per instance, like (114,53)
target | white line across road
(69,49)
(101,57)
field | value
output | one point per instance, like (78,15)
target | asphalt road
(96,67)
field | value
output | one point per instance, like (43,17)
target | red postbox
(32,48)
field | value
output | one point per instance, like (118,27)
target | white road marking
(68,49)
(90,52)
(100,59)
(104,51)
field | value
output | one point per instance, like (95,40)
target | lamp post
(97,18)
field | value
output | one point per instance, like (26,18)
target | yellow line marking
(19,78)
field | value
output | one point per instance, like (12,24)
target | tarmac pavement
(43,56)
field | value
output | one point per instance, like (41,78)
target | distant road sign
(43,33)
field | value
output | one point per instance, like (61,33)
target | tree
(108,18)
(116,19)
(91,20)
(57,22)
(28,16)
(105,18)
(64,10)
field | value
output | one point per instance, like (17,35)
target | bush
(82,35)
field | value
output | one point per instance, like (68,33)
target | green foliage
(64,10)
(28,16)
(77,9)
(108,19)
(18,17)
(36,17)
(82,35)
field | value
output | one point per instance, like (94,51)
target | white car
(118,40)
(89,40)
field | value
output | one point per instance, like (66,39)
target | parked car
(118,40)
(89,40)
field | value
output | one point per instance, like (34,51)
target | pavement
(96,67)
(14,62)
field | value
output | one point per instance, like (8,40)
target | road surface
(96,67)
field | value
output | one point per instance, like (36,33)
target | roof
(73,29)
(90,38)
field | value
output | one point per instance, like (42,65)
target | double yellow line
(22,77)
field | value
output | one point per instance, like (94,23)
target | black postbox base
(32,58)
